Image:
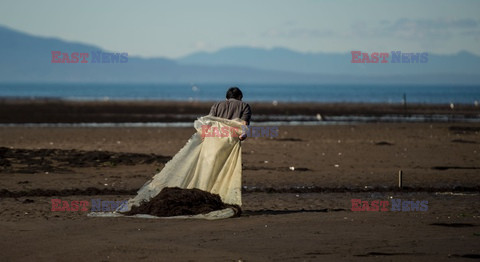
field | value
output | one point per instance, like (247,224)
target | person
(233,107)
(209,163)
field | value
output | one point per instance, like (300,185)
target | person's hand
(242,137)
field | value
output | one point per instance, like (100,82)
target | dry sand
(299,215)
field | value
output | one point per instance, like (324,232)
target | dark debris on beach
(174,201)
(30,161)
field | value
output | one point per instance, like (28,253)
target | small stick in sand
(400,174)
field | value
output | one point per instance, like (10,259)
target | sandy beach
(297,194)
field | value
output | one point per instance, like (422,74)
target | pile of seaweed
(174,201)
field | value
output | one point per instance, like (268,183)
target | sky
(173,29)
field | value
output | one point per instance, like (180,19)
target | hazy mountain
(333,63)
(27,58)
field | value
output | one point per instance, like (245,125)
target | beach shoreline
(67,111)
(284,218)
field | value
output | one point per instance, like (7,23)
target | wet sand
(63,111)
(294,215)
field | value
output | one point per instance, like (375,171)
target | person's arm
(243,136)
(246,115)
(213,110)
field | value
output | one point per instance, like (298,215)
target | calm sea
(252,92)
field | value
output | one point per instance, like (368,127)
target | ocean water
(429,94)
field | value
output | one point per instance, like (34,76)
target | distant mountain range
(282,59)
(27,58)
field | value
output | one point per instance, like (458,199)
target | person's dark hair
(234,92)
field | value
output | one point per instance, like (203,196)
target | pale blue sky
(176,28)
